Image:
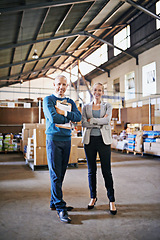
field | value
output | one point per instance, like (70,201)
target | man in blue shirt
(58,141)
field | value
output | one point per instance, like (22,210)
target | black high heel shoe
(92,203)
(113,212)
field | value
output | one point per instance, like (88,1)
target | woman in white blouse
(96,118)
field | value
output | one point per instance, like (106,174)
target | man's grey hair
(60,76)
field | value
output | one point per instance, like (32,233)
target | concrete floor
(25,196)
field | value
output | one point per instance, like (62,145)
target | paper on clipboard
(65,106)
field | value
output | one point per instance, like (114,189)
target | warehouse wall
(38,88)
(145,58)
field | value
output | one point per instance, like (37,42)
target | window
(116,89)
(130,86)
(149,79)
(122,40)
(116,86)
(158,13)
(97,58)
(74,75)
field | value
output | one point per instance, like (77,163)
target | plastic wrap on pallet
(131,141)
(149,140)
(151,134)
(131,136)
(130,147)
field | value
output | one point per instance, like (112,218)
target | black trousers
(97,145)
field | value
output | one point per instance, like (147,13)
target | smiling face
(60,85)
(98,91)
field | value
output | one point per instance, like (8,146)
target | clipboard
(65,106)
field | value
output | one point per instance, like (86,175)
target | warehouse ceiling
(62,32)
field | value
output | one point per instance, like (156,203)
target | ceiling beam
(38,41)
(42,5)
(47,68)
(143,9)
(74,27)
(111,45)
(31,60)
(45,14)
(26,73)
(56,31)
(100,26)
(82,17)
(17,32)
(83,33)
(69,35)
(52,56)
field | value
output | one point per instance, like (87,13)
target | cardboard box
(81,153)
(40,125)
(156,127)
(138,147)
(73,155)
(30,132)
(29,125)
(155,146)
(40,156)
(157,153)
(114,143)
(21,145)
(121,145)
(77,141)
(139,141)
(39,137)
(25,134)
(152,148)
(147,146)
(147,128)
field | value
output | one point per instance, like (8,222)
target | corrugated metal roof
(57,29)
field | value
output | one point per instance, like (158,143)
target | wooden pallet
(30,163)
(141,153)
(129,151)
(73,165)
(134,152)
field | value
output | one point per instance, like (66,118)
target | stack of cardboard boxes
(27,132)
(77,150)
(152,141)
(139,141)
(30,149)
(117,127)
(34,143)
(40,156)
